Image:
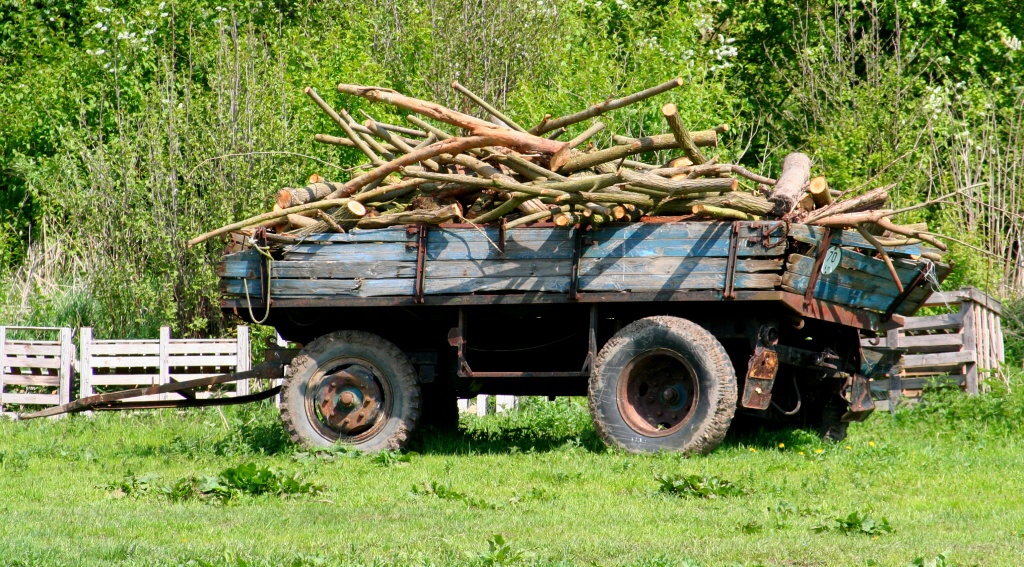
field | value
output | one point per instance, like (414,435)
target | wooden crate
(35,366)
(123,364)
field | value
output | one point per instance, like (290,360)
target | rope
(265,251)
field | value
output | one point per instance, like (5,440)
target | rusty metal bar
(421,259)
(574,276)
(188,403)
(729,291)
(920,277)
(818,261)
(266,371)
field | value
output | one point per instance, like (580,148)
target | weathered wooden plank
(497,268)
(31,380)
(30,399)
(521,234)
(814,234)
(656,248)
(637,282)
(860,264)
(921,383)
(912,362)
(125,362)
(804,266)
(29,362)
(845,291)
(477,284)
(357,252)
(14,348)
(125,379)
(328,269)
(667,266)
(944,321)
(467,250)
(202,360)
(320,288)
(390,234)
(680,231)
(125,347)
(227,346)
(924,343)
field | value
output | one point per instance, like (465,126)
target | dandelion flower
(871,443)
(819,451)
(782,445)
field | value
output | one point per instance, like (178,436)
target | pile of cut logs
(500,172)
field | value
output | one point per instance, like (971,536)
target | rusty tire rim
(348,400)
(657,392)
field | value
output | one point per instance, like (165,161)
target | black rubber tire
(395,368)
(706,426)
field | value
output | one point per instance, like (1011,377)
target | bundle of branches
(499,171)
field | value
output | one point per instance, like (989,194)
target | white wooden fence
(960,347)
(35,365)
(122,364)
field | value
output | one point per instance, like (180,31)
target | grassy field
(533,488)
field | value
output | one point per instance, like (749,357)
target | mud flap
(857,391)
(757,388)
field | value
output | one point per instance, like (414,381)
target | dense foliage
(131,125)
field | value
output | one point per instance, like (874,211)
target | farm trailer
(671,329)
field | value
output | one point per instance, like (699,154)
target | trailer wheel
(663,383)
(352,388)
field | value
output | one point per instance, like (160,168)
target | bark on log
(422,216)
(681,134)
(541,215)
(579,160)
(333,224)
(587,134)
(490,109)
(396,141)
(672,186)
(358,141)
(295,196)
(606,106)
(265,217)
(722,213)
(796,172)
(299,221)
(739,201)
(450,146)
(502,136)
(871,200)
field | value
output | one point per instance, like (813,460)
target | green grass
(532,488)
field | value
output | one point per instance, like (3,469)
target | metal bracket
(502,234)
(729,291)
(574,276)
(421,258)
(757,390)
(812,282)
(857,391)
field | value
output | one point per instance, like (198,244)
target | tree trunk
(681,134)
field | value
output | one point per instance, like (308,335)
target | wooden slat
(491,235)
(669,266)
(31,380)
(358,252)
(937,360)
(497,268)
(228,346)
(15,348)
(913,383)
(859,264)
(391,234)
(924,343)
(439,286)
(864,298)
(936,322)
(313,268)
(804,266)
(321,288)
(29,362)
(202,360)
(681,231)
(30,399)
(479,251)
(125,361)
(636,282)
(101,348)
(814,234)
(125,379)
(656,248)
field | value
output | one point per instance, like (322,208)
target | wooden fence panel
(107,365)
(962,347)
(35,365)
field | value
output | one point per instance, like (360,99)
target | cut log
(722,213)
(681,134)
(295,196)
(819,192)
(587,134)
(579,160)
(421,216)
(490,109)
(547,125)
(330,221)
(344,125)
(520,141)
(871,200)
(796,172)
(745,202)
